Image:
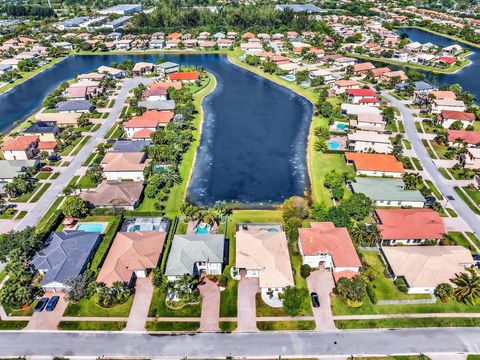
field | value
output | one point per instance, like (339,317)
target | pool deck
(341,140)
(103,224)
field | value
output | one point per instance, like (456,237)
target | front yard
(158,307)
(88,307)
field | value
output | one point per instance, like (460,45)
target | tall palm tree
(359,233)
(468,286)
(411,180)
(373,234)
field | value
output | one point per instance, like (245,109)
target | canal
(254,135)
(467,77)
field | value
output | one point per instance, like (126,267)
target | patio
(338,143)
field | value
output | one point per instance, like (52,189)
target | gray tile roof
(65,255)
(385,189)
(11,168)
(161,105)
(166,65)
(130,146)
(189,249)
(74,105)
(43,127)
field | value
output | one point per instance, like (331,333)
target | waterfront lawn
(172,326)
(92,325)
(89,307)
(407,323)
(158,307)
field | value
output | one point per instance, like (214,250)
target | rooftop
(386,189)
(375,162)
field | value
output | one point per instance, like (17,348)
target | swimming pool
(333,145)
(341,126)
(202,230)
(91,227)
(288,77)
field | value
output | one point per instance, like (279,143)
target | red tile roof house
(355,96)
(188,76)
(155,93)
(445,60)
(378,165)
(141,127)
(409,226)
(363,68)
(341,86)
(472,138)
(20,148)
(325,245)
(448,117)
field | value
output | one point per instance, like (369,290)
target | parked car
(41,304)
(476,257)
(46,168)
(315,300)
(52,303)
(54,157)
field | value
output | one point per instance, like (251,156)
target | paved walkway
(48,320)
(210,306)
(321,282)
(428,165)
(246,305)
(141,303)
(44,203)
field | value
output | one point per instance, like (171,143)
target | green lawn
(418,125)
(429,149)
(158,308)
(285,325)
(171,326)
(88,307)
(439,149)
(451,212)
(474,194)
(92,325)
(227,326)
(26,311)
(43,175)
(407,323)
(467,200)
(114,223)
(40,192)
(86,183)
(416,162)
(45,219)
(81,145)
(25,197)
(68,149)
(12,325)
(407,144)
(445,174)
(472,237)
(461,240)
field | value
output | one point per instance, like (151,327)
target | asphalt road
(43,204)
(371,342)
(446,189)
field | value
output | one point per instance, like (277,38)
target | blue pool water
(272,230)
(333,145)
(341,126)
(289,77)
(94,227)
(201,230)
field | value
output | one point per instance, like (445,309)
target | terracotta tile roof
(155,91)
(380,71)
(116,161)
(324,237)
(148,117)
(143,134)
(138,122)
(363,67)
(344,274)
(375,162)
(166,85)
(471,137)
(343,83)
(124,193)
(457,115)
(361,92)
(402,224)
(47,145)
(443,94)
(446,59)
(131,251)
(19,143)
(369,101)
(187,75)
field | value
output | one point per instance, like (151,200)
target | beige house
(119,166)
(438,106)
(369,141)
(264,254)
(115,195)
(61,119)
(424,267)
(369,122)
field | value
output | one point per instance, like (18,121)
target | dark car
(41,304)
(52,303)
(476,257)
(46,168)
(54,157)
(315,299)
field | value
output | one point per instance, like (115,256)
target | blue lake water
(254,133)
(467,77)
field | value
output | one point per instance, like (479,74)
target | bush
(400,283)
(305,271)
(371,294)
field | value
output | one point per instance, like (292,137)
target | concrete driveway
(210,306)
(141,303)
(321,282)
(48,320)
(246,305)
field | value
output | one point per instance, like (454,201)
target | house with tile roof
(74,106)
(369,141)
(143,126)
(447,117)
(387,192)
(20,147)
(11,168)
(64,256)
(424,267)
(122,145)
(195,254)
(131,255)
(264,254)
(323,244)
(114,195)
(409,226)
(119,166)
(369,122)
(355,96)
(471,138)
(375,164)
(45,130)
(184,77)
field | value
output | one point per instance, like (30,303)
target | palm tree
(411,180)
(359,233)
(170,176)
(222,208)
(468,286)
(373,235)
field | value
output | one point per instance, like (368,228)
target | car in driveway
(46,168)
(315,299)
(41,304)
(52,303)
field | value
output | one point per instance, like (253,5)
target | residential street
(208,345)
(429,167)
(44,203)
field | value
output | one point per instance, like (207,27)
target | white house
(369,141)
(119,166)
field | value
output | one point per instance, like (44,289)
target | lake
(467,77)
(254,135)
